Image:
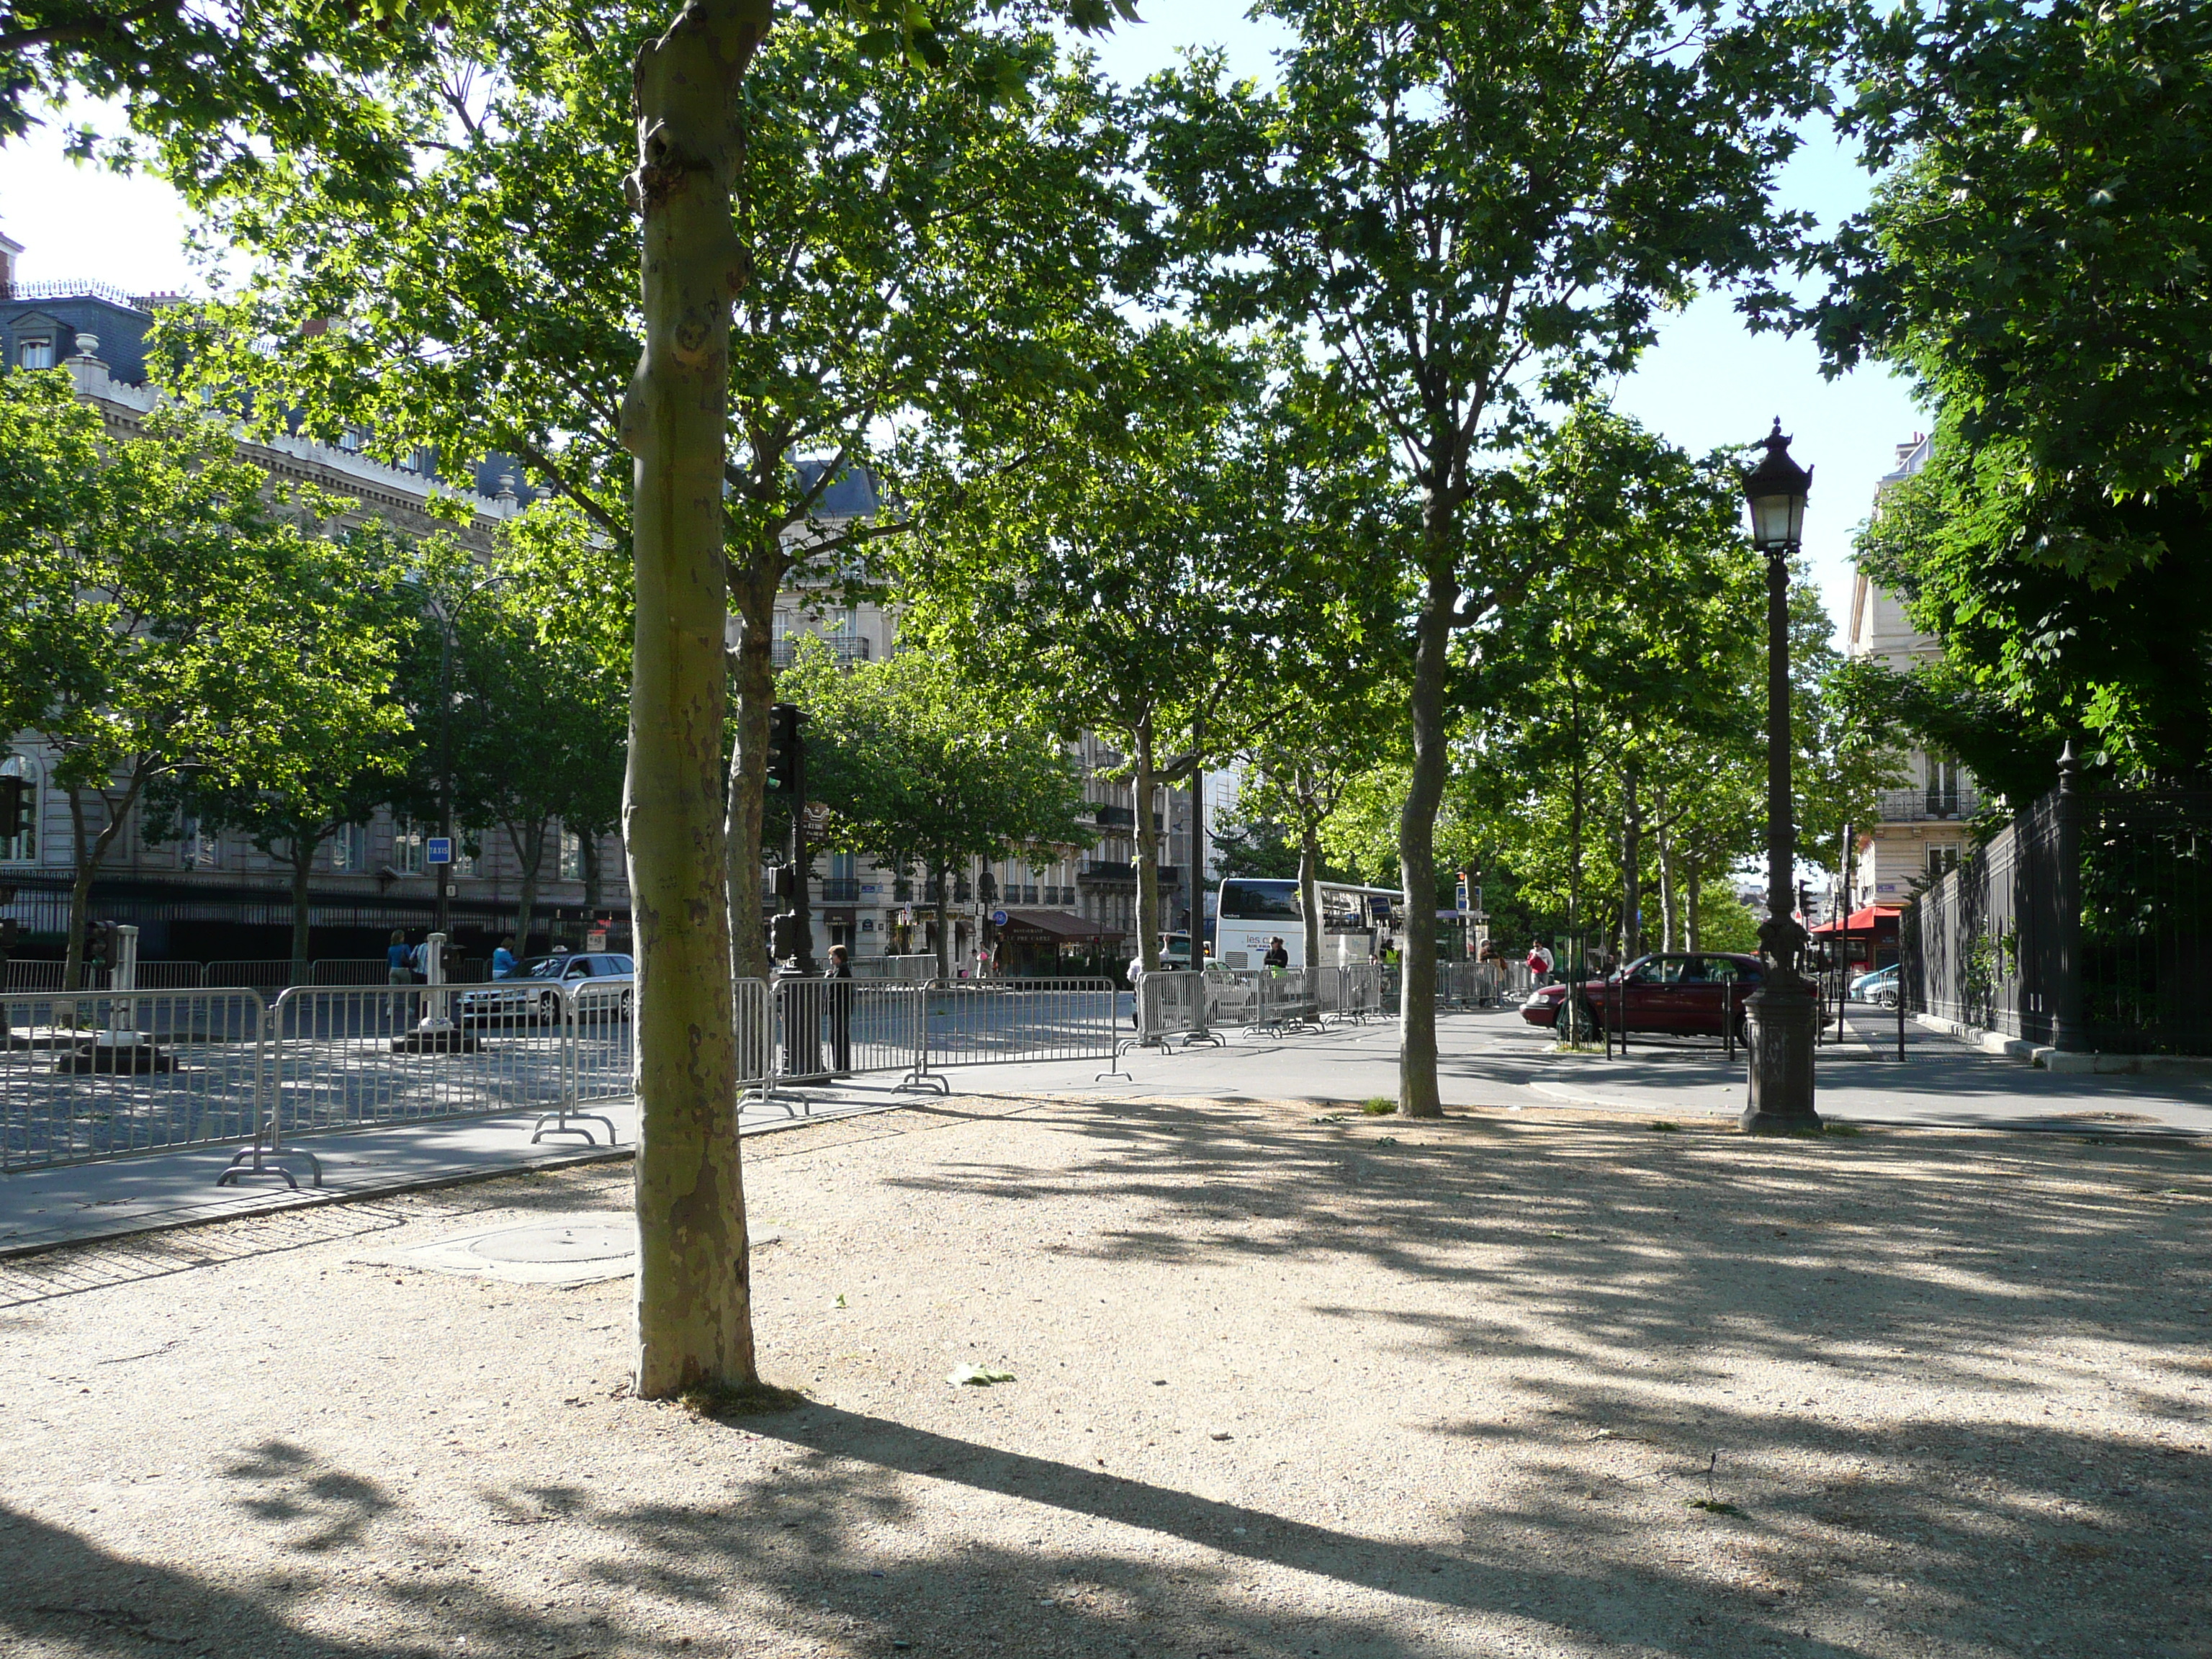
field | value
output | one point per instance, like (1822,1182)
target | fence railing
(1183,1005)
(95,1074)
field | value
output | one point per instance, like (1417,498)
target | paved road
(1494,1058)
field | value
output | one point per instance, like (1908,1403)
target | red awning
(1874,919)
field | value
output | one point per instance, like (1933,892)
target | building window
(407,839)
(572,855)
(36,353)
(198,848)
(1940,858)
(349,850)
(22,847)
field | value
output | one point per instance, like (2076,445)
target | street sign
(818,817)
(1463,904)
(998,918)
(906,915)
(439,849)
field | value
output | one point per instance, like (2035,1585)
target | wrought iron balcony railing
(844,649)
(1925,805)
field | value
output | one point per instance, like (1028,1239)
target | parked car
(1689,994)
(1879,988)
(534,992)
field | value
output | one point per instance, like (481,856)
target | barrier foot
(572,1123)
(1211,1039)
(1101,1077)
(253,1161)
(918,1078)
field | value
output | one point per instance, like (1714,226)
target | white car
(534,992)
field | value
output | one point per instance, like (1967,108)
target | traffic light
(783,936)
(14,807)
(786,748)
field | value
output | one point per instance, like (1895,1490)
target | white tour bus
(1250,913)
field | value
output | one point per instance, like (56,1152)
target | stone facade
(1921,827)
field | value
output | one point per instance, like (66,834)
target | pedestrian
(502,959)
(840,993)
(421,958)
(1539,962)
(1278,958)
(1137,989)
(397,970)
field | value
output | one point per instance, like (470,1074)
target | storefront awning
(1056,924)
(1876,920)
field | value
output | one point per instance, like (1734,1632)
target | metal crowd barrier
(96,1074)
(830,1028)
(1003,1021)
(903,970)
(1181,1006)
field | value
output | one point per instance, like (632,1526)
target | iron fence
(2085,922)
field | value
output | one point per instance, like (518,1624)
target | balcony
(1104,872)
(1926,805)
(841,889)
(844,650)
(1117,818)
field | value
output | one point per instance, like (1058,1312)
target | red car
(1690,995)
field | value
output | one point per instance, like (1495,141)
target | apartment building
(1921,827)
(212,897)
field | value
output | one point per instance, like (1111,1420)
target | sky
(1709,382)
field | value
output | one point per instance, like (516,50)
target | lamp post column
(1783,1016)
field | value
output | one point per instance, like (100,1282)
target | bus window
(1246,899)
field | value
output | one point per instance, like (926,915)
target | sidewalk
(1489,1059)
(42,1208)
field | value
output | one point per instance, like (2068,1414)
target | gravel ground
(1512,1383)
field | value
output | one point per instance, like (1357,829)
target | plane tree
(1475,209)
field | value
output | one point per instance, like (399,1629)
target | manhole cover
(592,1242)
(568,1247)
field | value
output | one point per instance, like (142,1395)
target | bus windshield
(1244,899)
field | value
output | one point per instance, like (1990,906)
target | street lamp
(1784,1014)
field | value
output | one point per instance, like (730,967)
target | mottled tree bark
(1146,850)
(693,1298)
(1417,824)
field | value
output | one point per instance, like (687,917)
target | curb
(2066,1061)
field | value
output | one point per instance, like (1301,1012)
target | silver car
(534,990)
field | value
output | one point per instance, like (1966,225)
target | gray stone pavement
(75,1203)
(1491,1059)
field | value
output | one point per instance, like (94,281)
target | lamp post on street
(1783,1014)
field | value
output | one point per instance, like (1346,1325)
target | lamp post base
(1782,1022)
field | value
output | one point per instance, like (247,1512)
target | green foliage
(189,625)
(2035,260)
(1246,846)
(919,765)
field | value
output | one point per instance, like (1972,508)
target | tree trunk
(1669,914)
(1570,1007)
(746,808)
(1145,848)
(941,878)
(593,890)
(693,1291)
(529,844)
(1696,878)
(89,854)
(1310,889)
(1631,869)
(1416,822)
(303,862)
